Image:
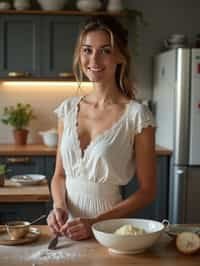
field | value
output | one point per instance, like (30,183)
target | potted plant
(19,117)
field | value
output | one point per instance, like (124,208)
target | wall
(164,18)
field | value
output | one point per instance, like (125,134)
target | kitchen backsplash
(43,98)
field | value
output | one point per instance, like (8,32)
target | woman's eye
(105,51)
(87,51)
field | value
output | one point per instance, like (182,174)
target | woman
(104,137)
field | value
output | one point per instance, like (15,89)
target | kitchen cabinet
(37,46)
(58,40)
(158,209)
(25,165)
(19,44)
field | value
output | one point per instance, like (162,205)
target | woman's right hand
(56,219)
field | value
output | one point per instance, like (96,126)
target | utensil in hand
(38,219)
(53,242)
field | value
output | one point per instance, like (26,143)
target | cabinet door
(58,39)
(158,209)
(27,211)
(50,162)
(19,44)
(18,165)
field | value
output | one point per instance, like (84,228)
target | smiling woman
(104,137)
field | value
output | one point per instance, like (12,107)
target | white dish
(127,244)
(28,179)
(175,229)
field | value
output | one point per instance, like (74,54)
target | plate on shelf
(32,235)
(29,179)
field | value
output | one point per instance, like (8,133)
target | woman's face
(98,58)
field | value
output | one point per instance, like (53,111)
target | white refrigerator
(176,101)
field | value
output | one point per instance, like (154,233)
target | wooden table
(90,253)
(11,192)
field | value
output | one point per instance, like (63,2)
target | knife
(53,242)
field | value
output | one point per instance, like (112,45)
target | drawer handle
(14,160)
(65,75)
(19,74)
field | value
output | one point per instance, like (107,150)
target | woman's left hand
(78,228)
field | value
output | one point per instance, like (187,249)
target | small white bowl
(127,244)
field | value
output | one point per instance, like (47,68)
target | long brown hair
(119,36)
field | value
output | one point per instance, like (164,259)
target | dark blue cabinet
(19,45)
(58,40)
(158,209)
(36,45)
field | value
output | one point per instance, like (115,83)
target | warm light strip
(45,83)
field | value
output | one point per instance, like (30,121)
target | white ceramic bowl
(104,234)
(52,4)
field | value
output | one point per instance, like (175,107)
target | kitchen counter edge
(39,149)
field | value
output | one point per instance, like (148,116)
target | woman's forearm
(58,192)
(125,208)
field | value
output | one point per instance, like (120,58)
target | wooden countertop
(91,253)
(11,192)
(39,149)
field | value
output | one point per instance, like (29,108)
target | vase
(88,5)
(22,4)
(114,6)
(52,4)
(20,136)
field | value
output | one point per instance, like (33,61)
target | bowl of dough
(127,236)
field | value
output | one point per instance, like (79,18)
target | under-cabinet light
(46,83)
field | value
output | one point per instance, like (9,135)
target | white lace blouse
(93,179)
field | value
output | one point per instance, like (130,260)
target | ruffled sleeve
(63,109)
(142,117)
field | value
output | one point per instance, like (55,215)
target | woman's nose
(95,56)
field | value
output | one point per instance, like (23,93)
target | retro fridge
(176,101)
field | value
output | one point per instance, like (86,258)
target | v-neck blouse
(108,159)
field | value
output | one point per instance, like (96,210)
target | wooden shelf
(61,12)
(32,79)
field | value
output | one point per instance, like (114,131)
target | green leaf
(18,116)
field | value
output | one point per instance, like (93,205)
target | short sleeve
(143,118)
(63,109)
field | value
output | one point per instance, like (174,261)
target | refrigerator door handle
(177,204)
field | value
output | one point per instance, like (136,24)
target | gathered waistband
(98,190)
